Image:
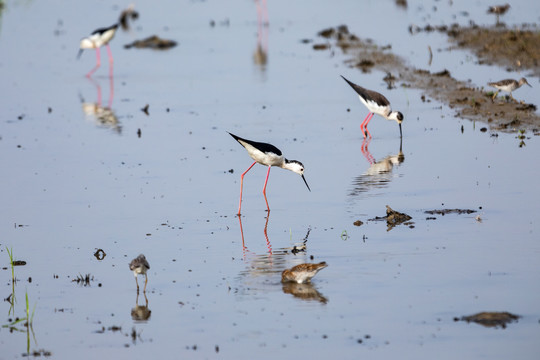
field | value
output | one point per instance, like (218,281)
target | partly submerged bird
(96,40)
(508,85)
(376,104)
(269,155)
(139,265)
(302,273)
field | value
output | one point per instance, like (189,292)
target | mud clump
(394,218)
(152,42)
(491,319)
(449,211)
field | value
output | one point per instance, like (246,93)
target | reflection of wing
(377,175)
(102,116)
(305,292)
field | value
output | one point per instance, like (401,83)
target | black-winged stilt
(96,40)
(376,104)
(269,155)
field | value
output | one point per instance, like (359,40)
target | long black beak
(400,132)
(79,54)
(306,182)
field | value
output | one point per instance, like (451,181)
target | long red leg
(264,189)
(242,185)
(364,123)
(98,63)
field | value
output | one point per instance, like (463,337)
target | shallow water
(74,183)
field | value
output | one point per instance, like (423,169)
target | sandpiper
(508,85)
(269,155)
(498,10)
(302,273)
(96,40)
(139,265)
(376,104)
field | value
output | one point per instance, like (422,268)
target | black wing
(103,30)
(264,147)
(368,94)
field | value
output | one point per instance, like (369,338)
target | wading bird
(139,265)
(269,155)
(302,273)
(376,104)
(96,40)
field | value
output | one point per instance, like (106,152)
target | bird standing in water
(139,265)
(302,273)
(269,155)
(96,40)
(376,104)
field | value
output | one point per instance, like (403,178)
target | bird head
(297,167)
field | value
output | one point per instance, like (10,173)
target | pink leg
(98,63)
(364,124)
(264,189)
(242,185)
(111,61)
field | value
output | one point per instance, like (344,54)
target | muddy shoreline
(468,101)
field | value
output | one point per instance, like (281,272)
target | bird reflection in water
(260,56)
(101,115)
(269,267)
(379,173)
(306,292)
(141,313)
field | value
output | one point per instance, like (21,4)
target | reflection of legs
(268,245)
(242,185)
(98,63)
(366,152)
(110,60)
(137,282)
(264,189)
(145,282)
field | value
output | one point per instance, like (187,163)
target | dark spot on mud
(19,263)
(145,109)
(100,254)
(358,223)
(152,42)
(491,319)
(321,46)
(139,133)
(449,211)
(83,279)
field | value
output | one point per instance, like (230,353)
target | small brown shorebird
(498,10)
(302,273)
(139,265)
(376,104)
(508,85)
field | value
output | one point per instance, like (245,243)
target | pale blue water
(77,184)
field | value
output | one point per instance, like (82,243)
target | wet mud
(491,319)
(468,101)
(394,218)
